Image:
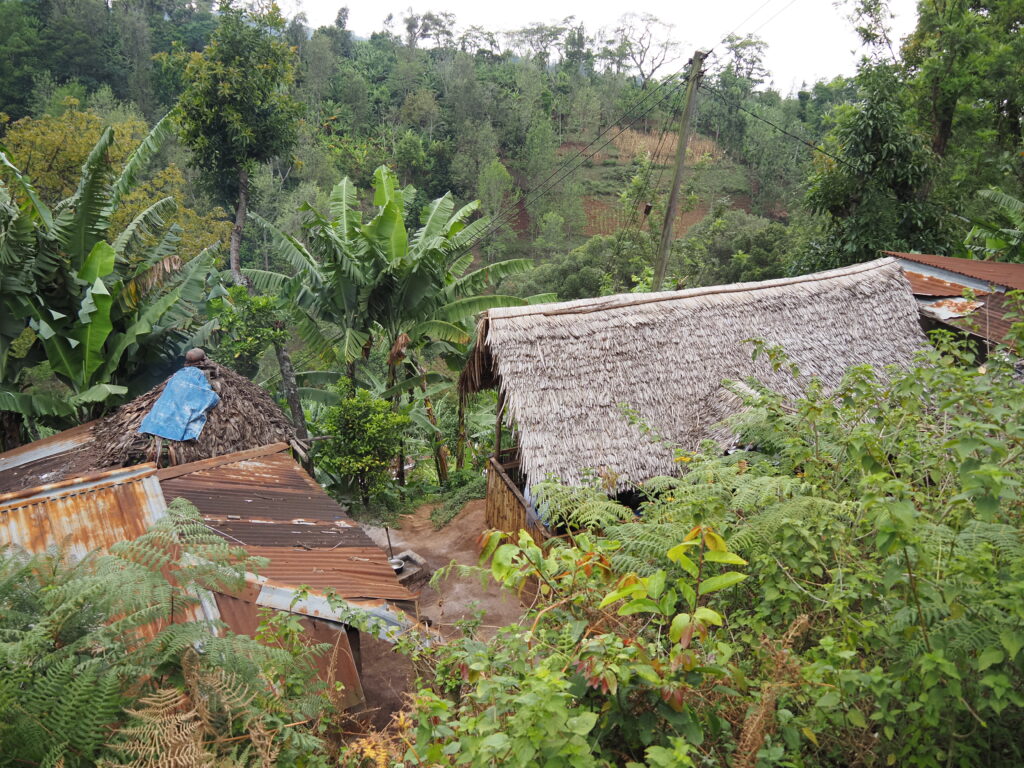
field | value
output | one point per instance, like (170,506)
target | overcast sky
(807,39)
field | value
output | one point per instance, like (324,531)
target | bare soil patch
(387,676)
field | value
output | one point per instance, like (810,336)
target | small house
(965,295)
(103,482)
(583,386)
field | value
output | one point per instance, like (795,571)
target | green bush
(365,437)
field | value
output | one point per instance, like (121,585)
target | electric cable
(773,17)
(752,15)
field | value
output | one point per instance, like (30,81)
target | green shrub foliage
(101,660)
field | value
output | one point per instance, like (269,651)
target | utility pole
(693,82)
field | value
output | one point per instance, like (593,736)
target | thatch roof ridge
(246,417)
(565,369)
(627,300)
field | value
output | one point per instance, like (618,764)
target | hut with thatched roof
(245,417)
(568,374)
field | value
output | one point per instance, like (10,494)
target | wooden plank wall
(505,508)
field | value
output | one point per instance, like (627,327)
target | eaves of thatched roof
(568,370)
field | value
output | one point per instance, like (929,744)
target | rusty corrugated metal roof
(992,320)
(264,500)
(83,513)
(48,460)
(352,572)
(927,285)
(267,499)
(993,272)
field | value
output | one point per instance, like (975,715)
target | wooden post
(693,82)
(497,426)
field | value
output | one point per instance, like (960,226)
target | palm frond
(293,252)
(140,158)
(33,203)
(146,225)
(474,305)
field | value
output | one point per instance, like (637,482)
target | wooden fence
(505,507)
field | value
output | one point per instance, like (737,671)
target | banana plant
(101,307)
(1001,237)
(377,282)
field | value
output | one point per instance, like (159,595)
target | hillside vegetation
(329,215)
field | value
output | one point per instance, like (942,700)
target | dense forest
(328,214)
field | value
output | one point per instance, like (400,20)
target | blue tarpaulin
(180,412)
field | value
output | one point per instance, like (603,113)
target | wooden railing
(505,507)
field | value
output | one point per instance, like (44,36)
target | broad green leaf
(491,542)
(716,556)
(501,563)
(98,264)
(97,393)
(856,718)
(687,592)
(1012,642)
(678,555)
(92,334)
(707,616)
(721,581)
(990,656)
(715,542)
(322,396)
(828,700)
(582,724)
(618,594)
(679,625)
(656,584)
(387,230)
(639,605)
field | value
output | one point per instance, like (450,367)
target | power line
(939,207)
(735,105)
(759,9)
(564,171)
(773,17)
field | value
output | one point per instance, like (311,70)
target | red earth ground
(386,676)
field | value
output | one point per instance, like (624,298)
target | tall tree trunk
(10,430)
(437,442)
(460,440)
(395,404)
(291,391)
(437,439)
(241,211)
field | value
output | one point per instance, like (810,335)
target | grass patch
(456,499)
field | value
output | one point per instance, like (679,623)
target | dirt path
(457,597)
(386,676)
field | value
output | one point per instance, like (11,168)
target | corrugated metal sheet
(377,617)
(928,285)
(949,308)
(991,320)
(241,613)
(265,501)
(91,512)
(272,534)
(83,513)
(355,572)
(269,489)
(992,272)
(48,460)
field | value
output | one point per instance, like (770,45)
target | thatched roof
(246,417)
(566,369)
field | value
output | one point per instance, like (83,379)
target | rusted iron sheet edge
(168,473)
(62,442)
(92,482)
(377,618)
